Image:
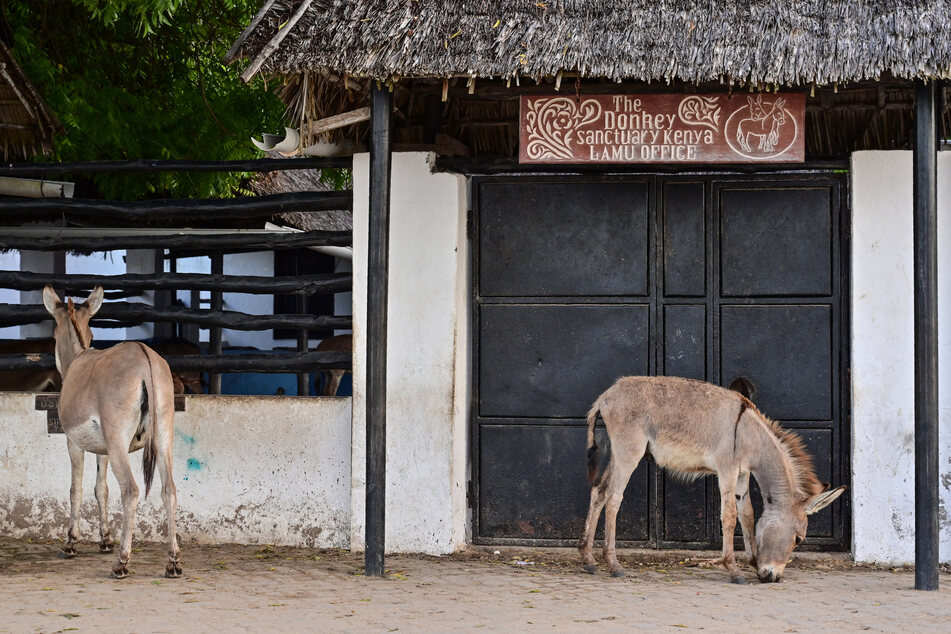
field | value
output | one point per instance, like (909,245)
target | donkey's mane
(806,482)
(71,310)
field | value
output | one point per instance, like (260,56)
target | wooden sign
(739,128)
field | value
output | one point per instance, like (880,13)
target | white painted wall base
(883,406)
(428,358)
(249,470)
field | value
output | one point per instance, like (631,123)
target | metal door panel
(685,345)
(684,248)
(533,485)
(776,241)
(787,352)
(553,360)
(563,239)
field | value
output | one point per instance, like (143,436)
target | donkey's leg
(744,508)
(624,466)
(727,484)
(598,498)
(102,497)
(130,498)
(76,458)
(164,459)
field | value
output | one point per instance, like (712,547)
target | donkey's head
(782,527)
(72,332)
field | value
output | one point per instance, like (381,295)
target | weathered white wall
(883,356)
(250,470)
(427,358)
(10,261)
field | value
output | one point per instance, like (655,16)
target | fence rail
(294,285)
(271,240)
(277,362)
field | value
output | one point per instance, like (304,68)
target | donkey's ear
(824,499)
(50,300)
(94,301)
(750,99)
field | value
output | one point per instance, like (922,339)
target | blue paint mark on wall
(195,465)
(189,440)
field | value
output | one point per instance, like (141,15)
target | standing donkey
(113,402)
(693,429)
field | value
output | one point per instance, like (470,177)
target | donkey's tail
(149,403)
(592,453)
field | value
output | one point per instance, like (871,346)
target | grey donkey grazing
(694,429)
(113,402)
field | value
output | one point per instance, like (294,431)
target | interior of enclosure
(240,297)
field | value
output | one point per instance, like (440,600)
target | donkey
(693,429)
(113,402)
(336,343)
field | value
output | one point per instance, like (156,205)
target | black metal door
(580,280)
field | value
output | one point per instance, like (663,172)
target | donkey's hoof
(738,580)
(106,546)
(617,572)
(590,569)
(173,570)
(119,571)
(66,552)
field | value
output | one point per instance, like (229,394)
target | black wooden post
(214,333)
(926,338)
(377,280)
(303,345)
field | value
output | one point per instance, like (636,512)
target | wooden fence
(172,242)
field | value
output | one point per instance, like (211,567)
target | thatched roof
(309,180)
(778,42)
(27,125)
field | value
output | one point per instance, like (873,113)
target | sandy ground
(238,588)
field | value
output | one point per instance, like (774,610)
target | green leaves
(144,79)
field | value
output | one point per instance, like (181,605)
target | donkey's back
(683,422)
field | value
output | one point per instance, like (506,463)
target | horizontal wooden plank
(264,362)
(203,242)
(300,285)
(13,315)
(176,209)
(149,165)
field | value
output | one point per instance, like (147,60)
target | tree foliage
(144,79)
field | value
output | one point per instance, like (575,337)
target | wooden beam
(150,165)
(177,209)
(339,121)
(269,363)
(260,285)
(381,142)
(202,242)
(926,337)
(15,314)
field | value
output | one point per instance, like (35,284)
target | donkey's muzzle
(768,575)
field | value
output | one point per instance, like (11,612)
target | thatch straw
(780,42)
(27,125)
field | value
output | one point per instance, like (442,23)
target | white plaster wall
(258,264)
(10,261)
(427,358)
(35,262)
(883,356)
(261,470)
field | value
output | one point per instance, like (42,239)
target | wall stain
(194,464)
